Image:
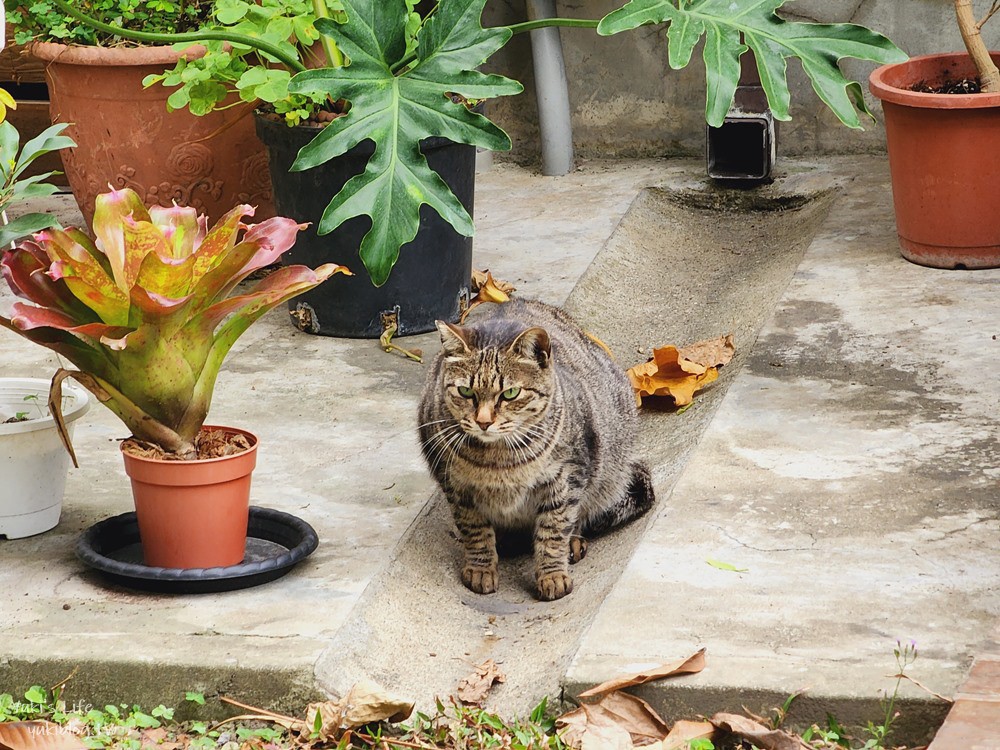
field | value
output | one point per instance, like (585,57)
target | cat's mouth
(485,436)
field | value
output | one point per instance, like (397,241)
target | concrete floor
(847,459)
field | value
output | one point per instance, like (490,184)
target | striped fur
(527,424)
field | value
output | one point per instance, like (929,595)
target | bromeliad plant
(401,80)
(145,312)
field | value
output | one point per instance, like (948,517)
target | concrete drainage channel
(685,263)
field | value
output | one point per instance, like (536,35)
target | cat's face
(497,393)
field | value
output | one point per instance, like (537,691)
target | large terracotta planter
(126,138)
(193,514)
(944,155)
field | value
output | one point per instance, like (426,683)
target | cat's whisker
(436,421)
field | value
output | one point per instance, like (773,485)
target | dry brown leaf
(711,353)
(684,731)
(583,729)
(759,735)
(487,289)
(473,688)
(37,735)
(364,703)
(689,665)
(618,720)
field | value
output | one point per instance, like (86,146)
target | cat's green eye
(465,392)
(511,393)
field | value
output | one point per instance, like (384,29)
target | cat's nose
(484,425)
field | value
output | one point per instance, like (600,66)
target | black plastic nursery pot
(429,282)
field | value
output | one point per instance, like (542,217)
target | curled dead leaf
(618,720)
(494,288)
(683,732)
(38,735)
(679,373)
(472,689)
(688,665)
(487,289)
(365,703)
(757,734)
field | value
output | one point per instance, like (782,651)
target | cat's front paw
(480,580)
(554,586)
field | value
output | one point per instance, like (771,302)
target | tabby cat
(526,423)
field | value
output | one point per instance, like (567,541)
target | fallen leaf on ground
(712,352)
(385,340)
(757,734)
(688,665)
(684,731)
(364,703)
(618,720)
(725,566)
(37,735)
(487,289)
(678,373)
(472,689)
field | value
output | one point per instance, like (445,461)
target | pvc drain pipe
(551,91)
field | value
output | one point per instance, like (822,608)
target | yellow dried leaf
(487,289)
(679,373)
(483,279)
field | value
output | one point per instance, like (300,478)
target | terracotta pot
(944,155)
(193,514)
(125,136)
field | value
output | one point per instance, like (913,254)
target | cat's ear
(533,344)
(454,339)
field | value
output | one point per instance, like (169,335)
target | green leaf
(45,142)
(194,697)
(725,566)
(37,694)
(25,225)
(397,103)
(773,40)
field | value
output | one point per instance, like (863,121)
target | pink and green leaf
(220,241)
(110,211)
(270,292)
(181,226)
(84,276)
(25,270)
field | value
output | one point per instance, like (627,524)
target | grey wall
(626,101)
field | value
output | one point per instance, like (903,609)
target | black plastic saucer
(276,541)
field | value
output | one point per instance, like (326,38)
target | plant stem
(541,23)
(334,56)
(192,36)
(989,76)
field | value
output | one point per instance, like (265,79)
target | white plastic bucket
(33,461)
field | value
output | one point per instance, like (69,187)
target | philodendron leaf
(397,102)
(773,40)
